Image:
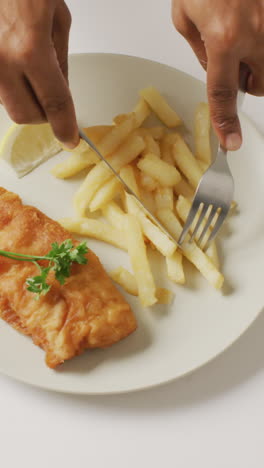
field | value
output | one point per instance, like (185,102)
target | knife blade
(127,188)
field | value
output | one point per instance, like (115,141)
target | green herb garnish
(60,258)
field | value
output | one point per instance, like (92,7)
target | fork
(214,194)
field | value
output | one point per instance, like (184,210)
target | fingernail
(71,145)
(233,141)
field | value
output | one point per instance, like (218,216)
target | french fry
(107,145)
(193,253)
(123,200)
(125,279)
(141,112)
(141,131)
(164,173)
(73,165)
(164,296)
(203,263)
(97,132)
(186,162)
(166,151)
(148,200)
(120,118)
(157,132)
(183,207)
(203,165)
(128,175)
(164,198)
(117,136)
(147,182)
(183,188)
(82,156)
(175,268)
(151,146)
(212,253)
(159,167)
(100,174)
(95,229)
(105,194)
(170,222)
(160,107)
(115,215)
(140,263)
(171,138)
(137,172)
(152,232)
(202,133)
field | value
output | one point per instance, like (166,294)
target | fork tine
(189,221)
(208,224)
(199,221)
(222,216)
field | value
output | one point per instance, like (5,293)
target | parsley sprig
(60,259)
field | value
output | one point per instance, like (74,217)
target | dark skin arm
(223,34)
(34,87)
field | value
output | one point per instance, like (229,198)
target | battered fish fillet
(86,312)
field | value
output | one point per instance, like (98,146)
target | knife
(127,188)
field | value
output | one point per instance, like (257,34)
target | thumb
(222,88)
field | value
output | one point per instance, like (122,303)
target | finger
(222,88)
(60,34)
(54,96)
(198,47)
(189,31)
(19,100)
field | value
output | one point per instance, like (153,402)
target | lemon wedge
(25,147)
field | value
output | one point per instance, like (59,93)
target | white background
(212,419)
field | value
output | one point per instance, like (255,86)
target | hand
(224,34)
(33,65)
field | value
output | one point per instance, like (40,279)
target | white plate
(201,323)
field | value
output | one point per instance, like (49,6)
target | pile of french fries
(158,165)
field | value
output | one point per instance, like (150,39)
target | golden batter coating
(86,312)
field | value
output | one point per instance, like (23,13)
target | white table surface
(212,419)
